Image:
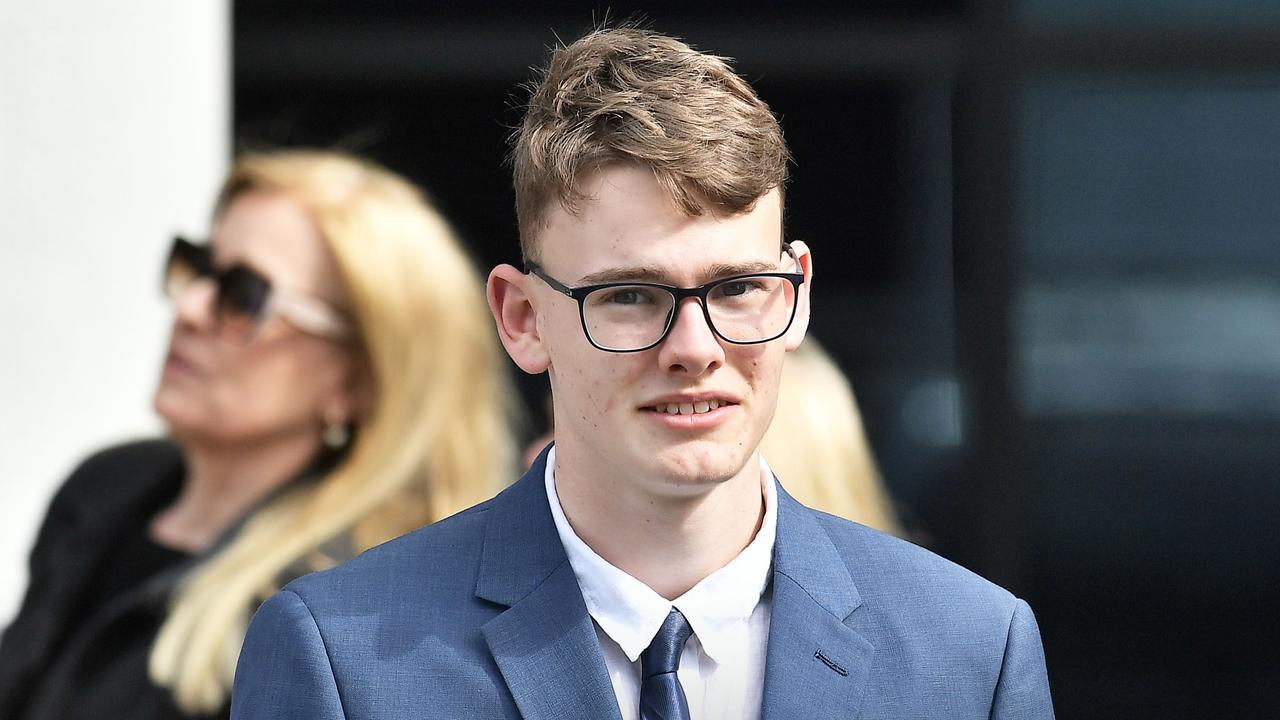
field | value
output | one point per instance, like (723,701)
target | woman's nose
(194,303)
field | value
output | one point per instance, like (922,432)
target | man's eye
(738,287)
(627,296)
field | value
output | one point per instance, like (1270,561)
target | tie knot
(663,653)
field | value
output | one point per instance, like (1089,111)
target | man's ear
(516,318)
(795,334)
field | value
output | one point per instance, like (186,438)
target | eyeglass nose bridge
(680,295)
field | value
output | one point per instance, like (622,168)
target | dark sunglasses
(244,298)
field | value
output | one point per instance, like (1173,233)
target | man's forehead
(595,260)
(630,191)
(630,229)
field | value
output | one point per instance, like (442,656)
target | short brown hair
(632,95)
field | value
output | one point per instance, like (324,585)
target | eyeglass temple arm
(532,267)
(311,315)
(786,246)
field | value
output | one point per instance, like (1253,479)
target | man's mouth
(690,408)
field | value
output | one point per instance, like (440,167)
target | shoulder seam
(328,657)
(1004,656)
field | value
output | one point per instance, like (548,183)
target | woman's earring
(336,434)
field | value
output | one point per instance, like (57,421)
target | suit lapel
(547,649)
(545,643)
(816,665)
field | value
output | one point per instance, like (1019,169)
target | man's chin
(690,472)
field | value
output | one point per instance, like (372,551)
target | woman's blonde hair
(435,440)
(817,446)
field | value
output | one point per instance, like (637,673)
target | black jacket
(69,649)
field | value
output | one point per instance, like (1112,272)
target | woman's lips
(176,363)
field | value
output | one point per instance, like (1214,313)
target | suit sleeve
(284,671)
(1022,691)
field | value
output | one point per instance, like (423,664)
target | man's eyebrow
(744,268)
(644,273)
(637,274)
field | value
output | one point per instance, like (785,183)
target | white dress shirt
(722,666)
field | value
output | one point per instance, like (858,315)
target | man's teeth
(699,407)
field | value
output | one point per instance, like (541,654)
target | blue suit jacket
(480,616)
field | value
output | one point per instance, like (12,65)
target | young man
(649,565)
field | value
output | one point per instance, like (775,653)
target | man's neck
(668,543)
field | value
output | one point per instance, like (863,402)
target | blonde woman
(332,381)
(816,443)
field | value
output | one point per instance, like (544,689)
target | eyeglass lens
(742,310)
(241,292)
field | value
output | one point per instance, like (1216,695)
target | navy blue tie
(661,697)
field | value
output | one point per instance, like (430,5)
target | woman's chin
(169,406)
(181,423)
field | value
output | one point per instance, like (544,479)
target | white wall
(114,131)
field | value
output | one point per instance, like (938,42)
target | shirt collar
(631,613)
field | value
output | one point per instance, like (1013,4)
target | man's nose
(691,347)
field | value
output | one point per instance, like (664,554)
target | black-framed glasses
(244,298)
(635,316)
